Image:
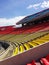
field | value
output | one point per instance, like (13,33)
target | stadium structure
(27,44)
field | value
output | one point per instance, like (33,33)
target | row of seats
(26,29)
(23,41)
(9,36)
(23,37)
(37,28)
(18,41)
(42,61)
(31,44)
(6,30)
(31,29)
(17,47)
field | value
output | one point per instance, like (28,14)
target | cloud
(44,4)
(33,6)
(30,6)
(36,5)
(11,21)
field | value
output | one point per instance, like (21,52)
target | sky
(11,11)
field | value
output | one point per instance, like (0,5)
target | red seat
(44,61)
(47,57)
(32,63)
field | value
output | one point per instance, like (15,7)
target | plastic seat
(21,48)
(44,61)
(38,41)
(32,44)
(27,46)
(47,57)
(16,51)
(32,63)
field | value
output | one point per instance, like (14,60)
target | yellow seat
(22,48)
(47,36)
(27,46)
(38,41)
(44,39)
(32,44)
(16,51)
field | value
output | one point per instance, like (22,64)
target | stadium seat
(41,40)
(32,63)
(27,46)
(23,37)
(47,57)
(21,48)
(44,61)
(32,44)
(15,51)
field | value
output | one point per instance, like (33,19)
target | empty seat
(42,39)
(44,61)
(32,44)
(32,63)
(21,48)
(15,51)
(27,46)
(47,57)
